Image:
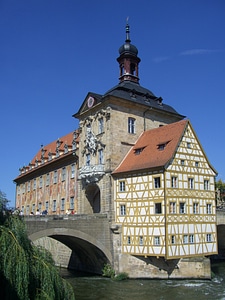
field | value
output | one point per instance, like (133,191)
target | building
(49,182)
(140,162)
(165,200)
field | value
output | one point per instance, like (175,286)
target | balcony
(91,173)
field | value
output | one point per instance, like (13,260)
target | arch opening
(94,197)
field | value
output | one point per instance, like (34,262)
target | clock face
(91,101)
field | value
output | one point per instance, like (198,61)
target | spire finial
(127,31)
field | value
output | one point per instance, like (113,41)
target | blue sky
(53,52)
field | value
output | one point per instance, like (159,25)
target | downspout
(145,118)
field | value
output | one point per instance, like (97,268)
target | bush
(108,271)
(121,276)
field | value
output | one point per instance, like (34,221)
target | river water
(100,288)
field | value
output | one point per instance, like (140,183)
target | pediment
(89,102)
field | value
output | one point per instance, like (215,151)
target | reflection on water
(100,288)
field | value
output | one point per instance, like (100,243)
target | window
(100,156)
(131,125)
(208,237)
(122,186)
(185,239)
(40,182)
(161,146)
(182,162)
(188,145)
(191,238)
(63,174)
(33,208)
(54,205)
(123,210)
(174,182)
(100,125)
(195,208)
(27,210)
(28,186)
(172,207)
(34,184)
(72,203)
(62,204)
(88,159)
(72,170)
(39,206)
(157,182)
(47,179)
(46,205)
(156,240)
(128,240)
(191,183)
(158,208)
(208,208)
(141,240)
(206,185)
(138,151)
(182,208)
(196,164)
(172,239)
(55,179)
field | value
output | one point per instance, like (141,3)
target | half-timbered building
(165,200)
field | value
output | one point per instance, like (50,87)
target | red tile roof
(156,147)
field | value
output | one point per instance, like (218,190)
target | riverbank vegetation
(108,271)
(26,271)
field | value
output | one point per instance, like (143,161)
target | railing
(63,217)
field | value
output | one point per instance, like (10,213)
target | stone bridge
(81,242)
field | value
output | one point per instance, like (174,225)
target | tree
(3,201)
(26,271)
(220,191)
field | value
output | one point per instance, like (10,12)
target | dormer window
(162,146)
(138,151)
(65,148)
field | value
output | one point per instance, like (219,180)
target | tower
(109,125)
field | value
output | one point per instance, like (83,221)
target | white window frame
(62,208)
(195,208)
(206,185)
(182,208)
(157,240)
(157,182)
(172,207)
(122,186)
(191,183)
(122,209)
(88,159)
(72,170)
(63,174)
(209,208)
(72,202)
(208,237)
(131,125)
(54,205)
(174,182)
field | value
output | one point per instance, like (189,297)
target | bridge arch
(87,253)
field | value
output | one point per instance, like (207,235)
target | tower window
(100,157)
(88,159)
(100,125)
(131,125)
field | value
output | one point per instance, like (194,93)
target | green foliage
(220,185)
(26,271)
(121,276)
(108,271)
(3,201)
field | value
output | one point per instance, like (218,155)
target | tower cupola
(128,59)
